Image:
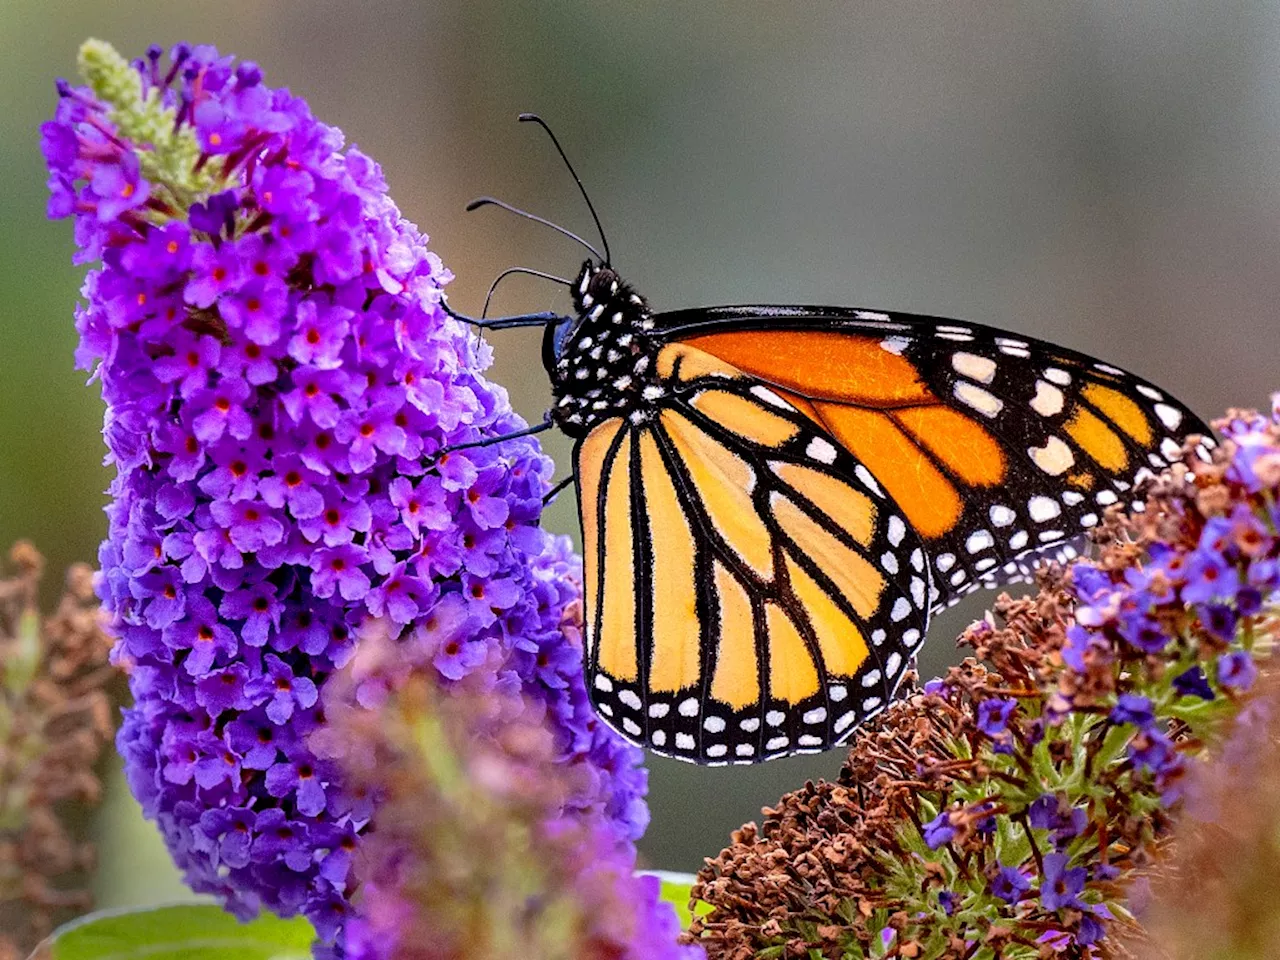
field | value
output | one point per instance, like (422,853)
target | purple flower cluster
(1206,585)
(279,377)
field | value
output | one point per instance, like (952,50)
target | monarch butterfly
(775,499)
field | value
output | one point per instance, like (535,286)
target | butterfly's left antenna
(534,118)
(479,202)
(510,271)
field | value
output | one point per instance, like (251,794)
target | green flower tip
(109,75)
(168,152)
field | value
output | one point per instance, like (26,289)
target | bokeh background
(1106,176)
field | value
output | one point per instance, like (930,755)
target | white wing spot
(974,366)
(958,578)
(685,741)
(1108,368)
(974,396)
(774,718)
(1149,392)
(750,725)
(1072,497)
(631,726)
(688,708)
(1171,417)
(628,698)
(769,397)
(820,450)
(743,749)
(897,530)
(846,721)
(1089,520)
(895,345)
(911,637)
(978,541)
(777,743)
(1048,536)
(603,683)
(1018,540)
(945,562)
(1048,400)
(917,591)
(809,740)
(837,693)
(917,559)
(1042,509)
(868,481)
(1060,377)
(986,563)
(659,710)
(1106,497)
(890,562)
(658,738)
(1054,458)
(1001,516)
(713,724)
(816,715)
(870,704)
(878,637)
(901,610)
(871,679)
(892,665)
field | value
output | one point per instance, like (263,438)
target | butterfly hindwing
(997,448)
(751,590)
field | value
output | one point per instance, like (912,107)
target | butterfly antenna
(525,270)
(479,202)
(534,118)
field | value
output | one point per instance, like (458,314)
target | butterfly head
(599,358)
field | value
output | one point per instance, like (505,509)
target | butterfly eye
(554,340)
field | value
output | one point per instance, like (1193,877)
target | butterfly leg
(552,493)
(504,323)
(545,425)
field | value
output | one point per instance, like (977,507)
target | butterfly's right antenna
(534,118)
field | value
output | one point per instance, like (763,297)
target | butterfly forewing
(752,591)
(996,448)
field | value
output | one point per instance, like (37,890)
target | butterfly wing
(751,591)
(996,448)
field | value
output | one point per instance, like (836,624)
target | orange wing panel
(820,364)
(927,497)
(960,442)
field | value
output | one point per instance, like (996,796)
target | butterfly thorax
(602,360)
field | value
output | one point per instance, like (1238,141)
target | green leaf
(675,890)
(185,932)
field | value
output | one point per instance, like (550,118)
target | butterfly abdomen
(605,365)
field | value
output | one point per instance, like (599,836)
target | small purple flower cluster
(473,854)
(279,377)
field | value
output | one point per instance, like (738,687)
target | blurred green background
(1100,175)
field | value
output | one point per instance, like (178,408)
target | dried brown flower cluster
(1006,809)
(820,855)
(55,718)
